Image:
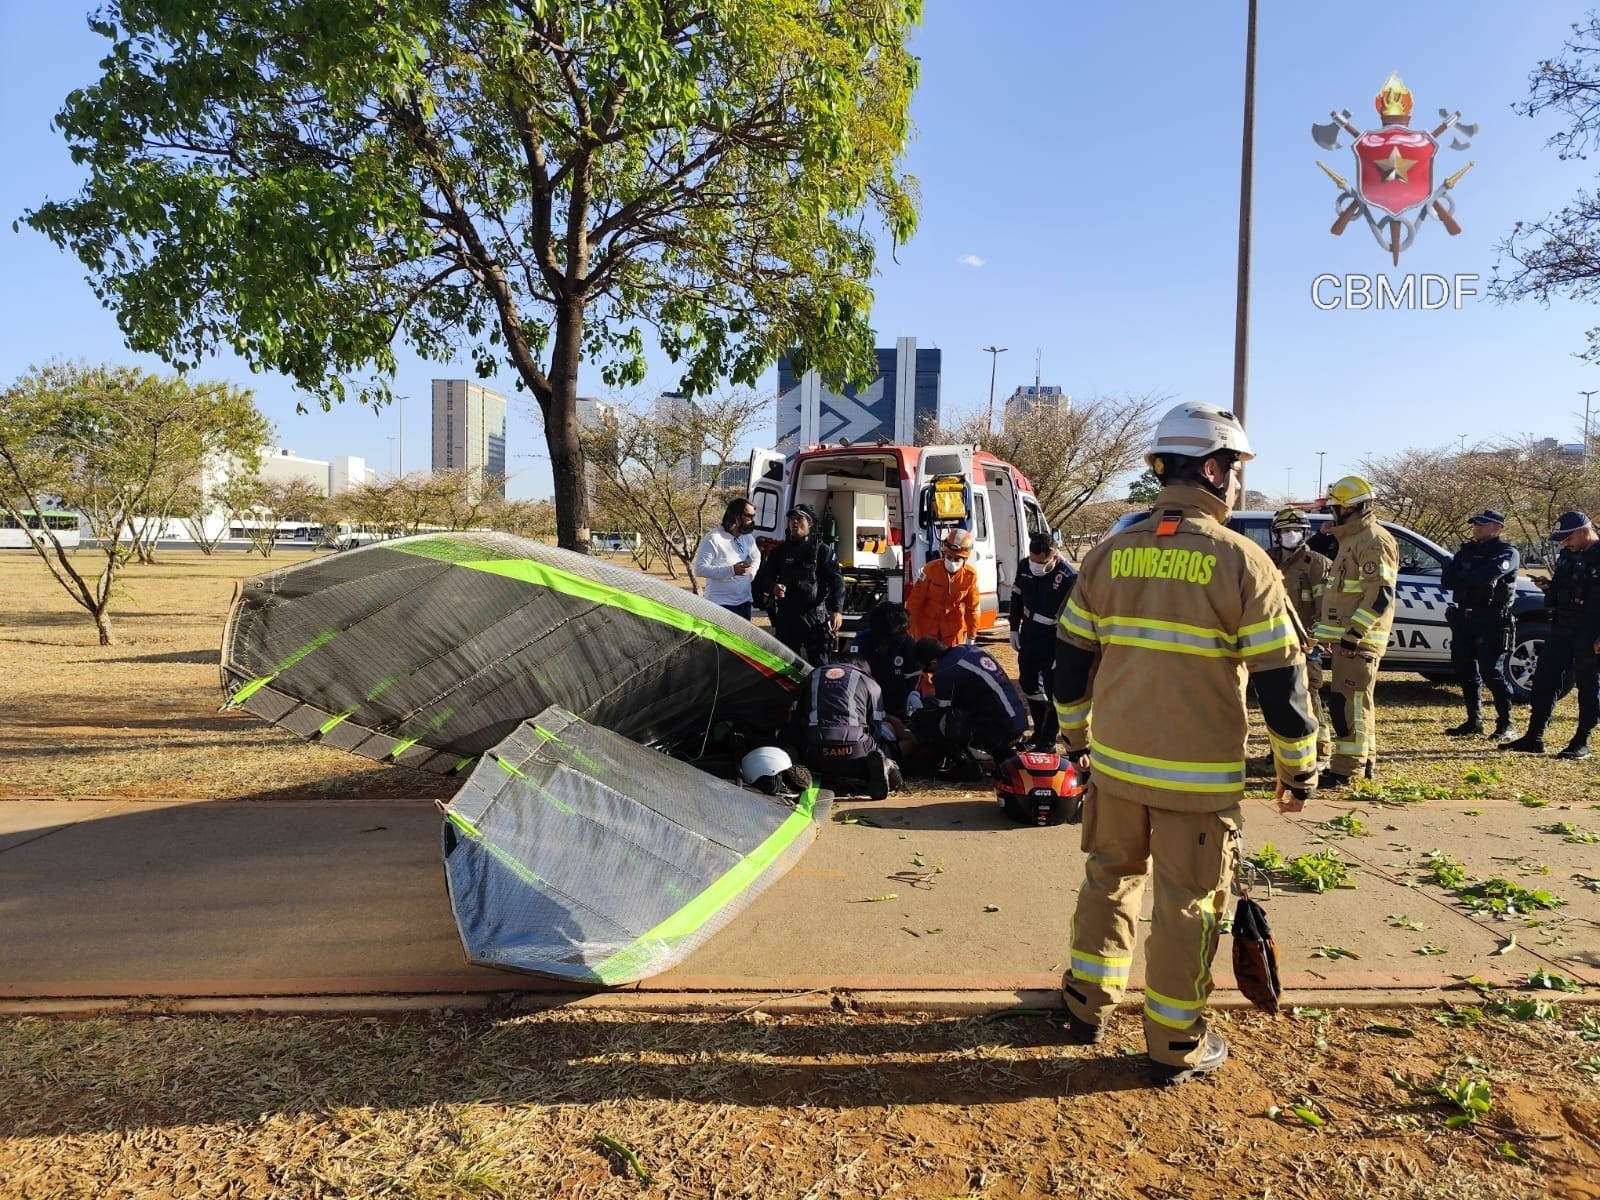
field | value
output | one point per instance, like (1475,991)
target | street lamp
(1320,453)
(400,401)
(1586,396)
(391,456)
(994,353)
(1288,485)
(1462,438)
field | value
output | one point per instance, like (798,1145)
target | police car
(1420,639)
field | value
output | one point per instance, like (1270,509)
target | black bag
(1255,956)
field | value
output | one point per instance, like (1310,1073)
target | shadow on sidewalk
(254,1067)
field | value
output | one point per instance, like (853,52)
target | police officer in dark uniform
(1481,579)
(1043,581)
(802,589)
(890,652)
(839,723)
(1573,597)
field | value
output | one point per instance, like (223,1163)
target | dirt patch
(760,1105)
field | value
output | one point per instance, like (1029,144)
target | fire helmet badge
(1395,188)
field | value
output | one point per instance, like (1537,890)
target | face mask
(1290,539)
(952,565)
(1040,568)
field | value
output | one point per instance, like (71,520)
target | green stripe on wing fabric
(569,584)
(255,685)
(638,953)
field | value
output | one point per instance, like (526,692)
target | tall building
(894,406)
(469,430)
(1025,399)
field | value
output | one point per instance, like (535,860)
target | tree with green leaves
(531,184)
(1145,488)
(108,442)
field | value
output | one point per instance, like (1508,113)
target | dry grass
(764,1106)
(757,1106)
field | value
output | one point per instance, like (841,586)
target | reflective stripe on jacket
(1178,610)
(1358,602)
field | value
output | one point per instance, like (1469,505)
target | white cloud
(970,260)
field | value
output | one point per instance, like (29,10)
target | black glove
(1349,646)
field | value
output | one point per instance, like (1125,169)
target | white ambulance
(884,509)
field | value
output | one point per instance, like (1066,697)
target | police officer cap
(1487,517)
(1568,524)
(804,510)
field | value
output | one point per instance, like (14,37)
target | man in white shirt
(727,558)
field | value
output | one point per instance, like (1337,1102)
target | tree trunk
(102,622)
(561,433)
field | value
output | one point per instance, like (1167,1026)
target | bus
(14,536)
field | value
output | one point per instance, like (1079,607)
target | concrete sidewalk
(347,898)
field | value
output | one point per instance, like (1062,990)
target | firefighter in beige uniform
(1167,621)
(1305,574)
(1357,614)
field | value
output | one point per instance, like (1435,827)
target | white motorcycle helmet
(770,769)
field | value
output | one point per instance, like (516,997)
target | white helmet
(763,761)
(1196,430)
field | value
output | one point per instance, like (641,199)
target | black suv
(1420,639)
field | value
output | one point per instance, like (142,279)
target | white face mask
(952,565)
(1290,539)
(1040,568)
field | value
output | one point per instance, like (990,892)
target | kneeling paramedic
(840,724)
(1165,625)
(978,706)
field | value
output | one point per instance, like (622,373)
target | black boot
(1471,727)
(1528,743)
(1578,747)
(1504,731)
(1332,779)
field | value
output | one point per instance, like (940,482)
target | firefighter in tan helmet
(1168,620)
(1305,575)
(1357,614)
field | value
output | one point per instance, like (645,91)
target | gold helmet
(1349,492)
(1289,518)
(957,542)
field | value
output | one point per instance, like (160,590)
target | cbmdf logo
(1398,186)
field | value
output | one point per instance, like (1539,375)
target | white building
(348,471)
(280,465)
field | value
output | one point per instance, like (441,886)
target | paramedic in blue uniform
(840,724)
(979,705)
(802,589)
(1043,582)
(890,652)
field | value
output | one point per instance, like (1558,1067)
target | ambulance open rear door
(766,492)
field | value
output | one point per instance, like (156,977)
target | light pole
(1241,318)
(1586,396)
(391,456)
(400,401)
(994,353)
(1462,438)
(1288,485)
(1320,453)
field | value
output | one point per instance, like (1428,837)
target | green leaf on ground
(1333,952)
(1431,949)
(1401,921)
(1553,980)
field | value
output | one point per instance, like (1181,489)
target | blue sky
(1087,156)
